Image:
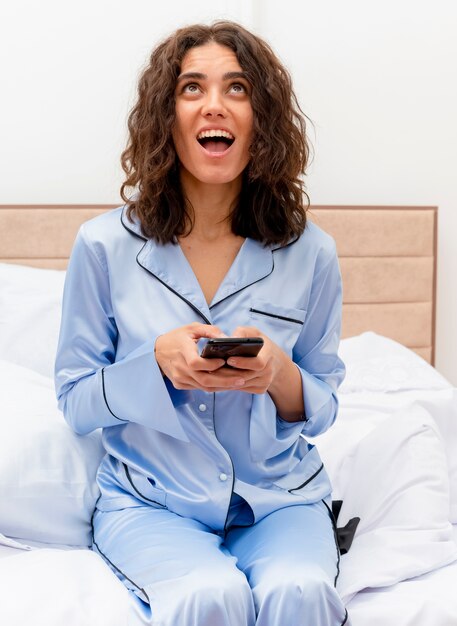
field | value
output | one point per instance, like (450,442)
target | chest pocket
(281,324)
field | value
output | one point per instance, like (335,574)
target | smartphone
(225,347)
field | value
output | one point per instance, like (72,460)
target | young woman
(214,509)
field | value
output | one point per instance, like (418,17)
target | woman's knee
(214,596)
(293,581)
(290,592)
(218,585)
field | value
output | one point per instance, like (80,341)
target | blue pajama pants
(280,571)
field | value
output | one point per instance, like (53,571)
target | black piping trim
(192,306)
(106,401)
(318,471)
(245,287)
(112,564)
(290,243)
(132,232)
(278,317)
(257,281)
(335,536)
(345,618)
(129,478)
(179,295)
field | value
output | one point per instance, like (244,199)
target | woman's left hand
(259,372)
(271,371)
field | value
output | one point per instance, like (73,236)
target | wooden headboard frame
(387,256)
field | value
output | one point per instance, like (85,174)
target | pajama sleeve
(94,389)
(316,351)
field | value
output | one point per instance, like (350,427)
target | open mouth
(215,140)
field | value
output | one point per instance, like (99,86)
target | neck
(211,205)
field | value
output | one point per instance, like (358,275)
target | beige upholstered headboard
(388,264)
(387,256)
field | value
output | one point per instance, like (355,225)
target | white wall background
(379,81)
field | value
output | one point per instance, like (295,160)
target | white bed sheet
(361,412)
(428,600)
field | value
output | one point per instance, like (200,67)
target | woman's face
(214,119)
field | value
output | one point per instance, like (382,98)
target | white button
(223,476)
(202,407)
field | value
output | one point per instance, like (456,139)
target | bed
(392,453)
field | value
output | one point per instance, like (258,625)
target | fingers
(197,363)
(204,331)
(223,379)
(179,360)
(247,331)
(208,381)
(219,382)
(176,351)
(255,364)
(258,371)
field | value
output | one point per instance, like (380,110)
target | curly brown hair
(272,205)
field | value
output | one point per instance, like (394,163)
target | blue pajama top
(189,451)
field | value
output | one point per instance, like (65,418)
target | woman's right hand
(177,355)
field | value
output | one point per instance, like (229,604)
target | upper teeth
(215,133)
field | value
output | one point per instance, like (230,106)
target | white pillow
(47,472)
(376,363)
(395,479)
(360,412)
(443,408)
(383,376)
(30,310)
(55,587)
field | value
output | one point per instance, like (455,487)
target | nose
(213,105)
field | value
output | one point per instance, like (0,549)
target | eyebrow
(200,76)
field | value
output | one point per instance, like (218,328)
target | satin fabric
(178,462)
(189,451)
(279,571)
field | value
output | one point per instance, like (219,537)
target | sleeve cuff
(320,403)
(135,391)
